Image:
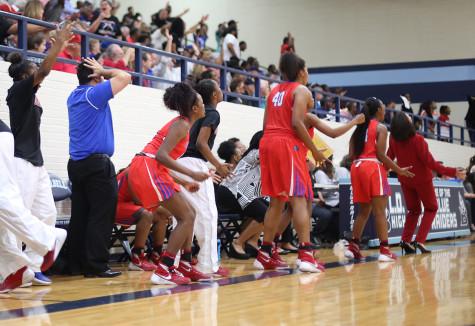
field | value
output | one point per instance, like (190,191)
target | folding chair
(228,226)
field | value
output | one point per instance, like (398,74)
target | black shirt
(25,120)
(211,120)
(4,127)
(108,27)
(5,25)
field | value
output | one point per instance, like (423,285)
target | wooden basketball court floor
(435,289)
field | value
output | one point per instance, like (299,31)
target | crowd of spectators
(167,32)
(170,33)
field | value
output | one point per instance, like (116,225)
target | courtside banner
(452,217)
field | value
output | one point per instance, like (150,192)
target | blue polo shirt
(90,121)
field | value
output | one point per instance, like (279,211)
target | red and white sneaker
(50,257)
(222,272)
(306,262)
(15,280)
(264,262)
(154,257)
(164,275)
(282,264)
(385,255)
(192,273)
(140,263)
(353,252)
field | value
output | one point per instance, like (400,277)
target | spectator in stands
(36,43)
(147,65)
(231,44)
(347,114)
(444,122)
(94,49)
(72,51)
(237,86)
(125,34)
(428,110)
(162,17)
(92,174)
(230,153)
(406,104)
(25,119)
(59,10)
(470,119)
(249,90)
(390,109)
(288,44)
(129,17)
(242,46)
(109,25)
(34,9)
(86,13)
(8,27)
(201,36)
(327,106)
(114,57)
(164,66)
(219,35)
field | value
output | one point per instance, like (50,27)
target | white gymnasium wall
(139,112)
(339,32)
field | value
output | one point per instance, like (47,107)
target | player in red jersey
(151,184)
(130,213)
(369,178)
(283,168)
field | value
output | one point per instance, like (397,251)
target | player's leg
(160,223)
(414,209)
(184,213)
(429,200)
(271,222)
(379,211)
(353,252)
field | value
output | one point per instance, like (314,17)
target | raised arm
(311,120)
(302,102)
(176,133)
(62,37)
(381,140)
(119,79)
(193,28)
(425,156)
(95,25)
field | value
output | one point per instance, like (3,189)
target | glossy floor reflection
(436,289)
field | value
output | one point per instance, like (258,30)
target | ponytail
(358,138)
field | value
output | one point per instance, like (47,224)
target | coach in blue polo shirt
(94,186)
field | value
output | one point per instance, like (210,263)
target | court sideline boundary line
(156,291)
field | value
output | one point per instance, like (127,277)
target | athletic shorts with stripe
(128,212)
(150,182)
(284,171)
(369,179)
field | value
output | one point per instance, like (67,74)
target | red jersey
(65,67)
(157,141)
(279,110)
(369,150)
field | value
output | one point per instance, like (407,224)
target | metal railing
(182,61)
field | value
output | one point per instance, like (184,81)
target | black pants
(94,201)
(226,202)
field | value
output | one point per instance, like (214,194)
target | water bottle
(219,249)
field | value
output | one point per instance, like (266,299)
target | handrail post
(84,46)
(438,130)
(183,68)
(424,126)
(257,90)
(138,66)
(22,35)
(462,136)
(451,134)
(358,105)
(337,109)
(223,81)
